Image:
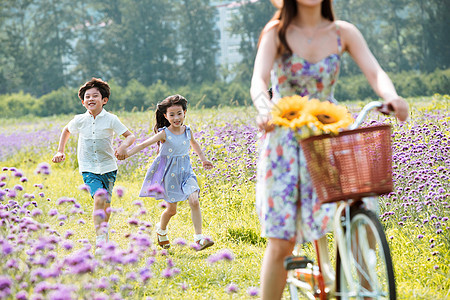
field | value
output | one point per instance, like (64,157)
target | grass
(229,217)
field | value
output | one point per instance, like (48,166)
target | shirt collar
(102,113)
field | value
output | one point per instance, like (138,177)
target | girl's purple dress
(171,170)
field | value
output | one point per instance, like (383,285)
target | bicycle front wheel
(369,263)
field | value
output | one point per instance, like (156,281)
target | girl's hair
(286,14)
(101,85)
(161,110)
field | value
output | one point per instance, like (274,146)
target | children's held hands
(121,153)
(59,157)
(207,165)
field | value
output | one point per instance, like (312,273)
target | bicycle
(345,169)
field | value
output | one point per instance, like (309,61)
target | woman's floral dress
(286,203)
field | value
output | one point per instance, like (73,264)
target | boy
(95,153)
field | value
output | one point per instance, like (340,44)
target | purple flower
(84,187)
(101,193)
(231,288)
(43,168)
(158,189)
(36,212)
(12,194)
(23,179)
(67,244)
(120,191)
(100,213)
(253,291)
(195,246)
(133,221)
(137,203)
(38,185)
(22,295)
(163,204)
(179,242)
(167,273)
(184,286)
(220,255)
(145,274)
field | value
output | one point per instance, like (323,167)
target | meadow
(46,232)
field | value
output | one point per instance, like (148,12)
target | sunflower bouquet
(311,115)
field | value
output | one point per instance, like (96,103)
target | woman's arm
(261,75)
(357,47)
(197,149)
(160,136)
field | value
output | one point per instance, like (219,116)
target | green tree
(248,24)
(139,40)
(198,41)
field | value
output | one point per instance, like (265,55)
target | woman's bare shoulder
(346,28)
(271,26)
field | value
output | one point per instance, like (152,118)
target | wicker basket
(356,163)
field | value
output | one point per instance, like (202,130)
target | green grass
(228,217)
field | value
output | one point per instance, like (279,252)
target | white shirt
(95,151)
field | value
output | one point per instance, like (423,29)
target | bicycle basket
(356,163)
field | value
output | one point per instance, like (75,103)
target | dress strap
(339,42)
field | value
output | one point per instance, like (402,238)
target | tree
(198,41)
(139,40)
(248,24)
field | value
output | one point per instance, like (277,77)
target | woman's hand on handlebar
(398,106)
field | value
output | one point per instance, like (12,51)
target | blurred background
(204,50)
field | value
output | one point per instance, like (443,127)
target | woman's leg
(168,213)
(273,273)
(196,213)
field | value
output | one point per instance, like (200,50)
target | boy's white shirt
(95,151)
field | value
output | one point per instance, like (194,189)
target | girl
(170,177)
(300,51)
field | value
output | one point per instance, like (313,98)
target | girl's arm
(356,45)
(160,136)
(264,60)
(206,163)
(60,156)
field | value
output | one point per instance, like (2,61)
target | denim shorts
(100,181)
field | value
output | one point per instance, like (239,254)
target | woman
(300,51)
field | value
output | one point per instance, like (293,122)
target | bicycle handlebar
(383,108)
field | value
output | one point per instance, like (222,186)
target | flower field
(46,232)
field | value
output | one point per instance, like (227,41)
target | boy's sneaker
(99,243)
(204,243)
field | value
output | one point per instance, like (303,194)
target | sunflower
(289,111)
(329,117)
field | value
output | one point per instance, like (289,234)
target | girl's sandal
(163,240)
(204,243)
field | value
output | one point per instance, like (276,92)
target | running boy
(97,164)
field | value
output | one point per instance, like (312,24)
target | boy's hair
(101,85)
(161,109)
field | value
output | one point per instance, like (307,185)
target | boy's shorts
(100,181)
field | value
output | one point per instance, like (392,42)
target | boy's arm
(160,136)
(197,149)
(60,156)
(121,151)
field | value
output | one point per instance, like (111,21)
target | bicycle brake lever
(386,109)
